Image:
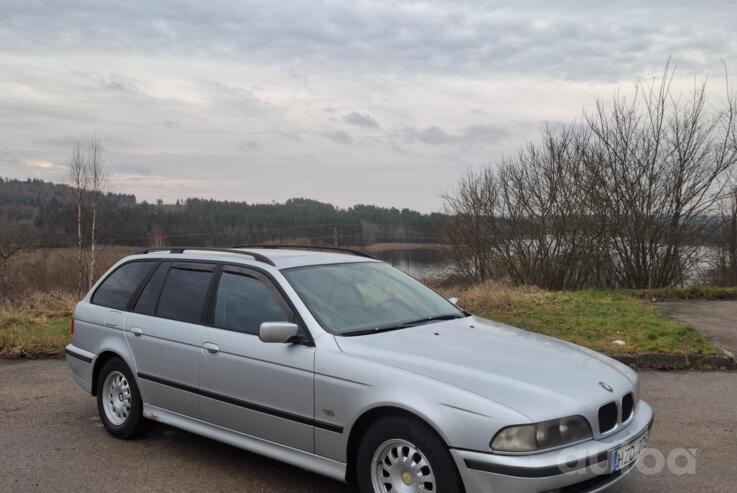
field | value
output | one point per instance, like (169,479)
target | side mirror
(279,332)
(453,300)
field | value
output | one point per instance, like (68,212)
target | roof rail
(311,247)
(256,256)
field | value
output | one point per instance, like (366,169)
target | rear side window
(184,293)
(116,290)
(146,303)
(243,303)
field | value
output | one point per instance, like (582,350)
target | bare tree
(156,237)
(529,219)
(466,228)
(98,176)
(723,268)
(78,174)
(622,200)
(660,162)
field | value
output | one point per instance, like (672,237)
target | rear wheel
(119,401)
(403,455)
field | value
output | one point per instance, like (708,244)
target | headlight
(540,436)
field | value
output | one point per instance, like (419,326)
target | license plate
(628,454)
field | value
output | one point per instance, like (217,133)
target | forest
(41,214)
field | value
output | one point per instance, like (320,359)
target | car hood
(538,376)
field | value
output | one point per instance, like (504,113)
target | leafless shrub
(660,161)
(723,266)
(622,200)
(529,219)
(468,228)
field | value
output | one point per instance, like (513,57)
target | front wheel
(403,455)
(119,401)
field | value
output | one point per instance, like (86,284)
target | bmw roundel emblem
(606,386)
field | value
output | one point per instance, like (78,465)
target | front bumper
(583,467)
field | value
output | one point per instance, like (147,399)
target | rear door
(261,389)
(117,291)
(164,334)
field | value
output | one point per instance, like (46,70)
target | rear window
(116,290)
(184,293)
(146,303)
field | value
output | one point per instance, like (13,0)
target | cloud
(251,145)
(436,136)
(44,165)
(360,120)
(571,39)
(112,82)
(426,86)
(484,133)
(431,135)
(339,136)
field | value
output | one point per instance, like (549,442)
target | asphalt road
(717,320)
(52,440)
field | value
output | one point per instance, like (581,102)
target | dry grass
(35,326)
(590,318)
(50,269)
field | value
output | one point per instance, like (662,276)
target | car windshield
(367,297)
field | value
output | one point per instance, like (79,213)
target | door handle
(136,331)
(211,348)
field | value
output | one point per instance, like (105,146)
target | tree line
(83,214)
(638,194)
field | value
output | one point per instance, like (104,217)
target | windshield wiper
(403,325)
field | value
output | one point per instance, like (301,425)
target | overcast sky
(343,101)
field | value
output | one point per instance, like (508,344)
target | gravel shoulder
(52,440)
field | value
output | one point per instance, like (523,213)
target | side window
(116,290)
(244,302)
(146,303)
(183,295)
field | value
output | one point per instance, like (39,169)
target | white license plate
(626,455)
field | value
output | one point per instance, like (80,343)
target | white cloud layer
(353,101)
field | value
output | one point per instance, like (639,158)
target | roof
(279,257)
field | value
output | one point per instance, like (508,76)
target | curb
(670,361)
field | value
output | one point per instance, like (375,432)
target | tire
(414,452)
(119,401)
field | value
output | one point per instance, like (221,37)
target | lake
(420,263)
(434,263)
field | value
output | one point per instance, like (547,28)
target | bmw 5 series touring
(340,364)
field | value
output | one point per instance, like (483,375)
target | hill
(125,221)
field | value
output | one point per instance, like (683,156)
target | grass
(37,326)
(590,318)
(33,338)
(694,293)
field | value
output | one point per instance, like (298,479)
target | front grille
(628,404)
(607,417)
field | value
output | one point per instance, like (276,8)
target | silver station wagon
(340,364)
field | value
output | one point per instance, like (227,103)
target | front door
(261,389)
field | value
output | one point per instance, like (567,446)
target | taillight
(71,326)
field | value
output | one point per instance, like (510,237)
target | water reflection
(421,263)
